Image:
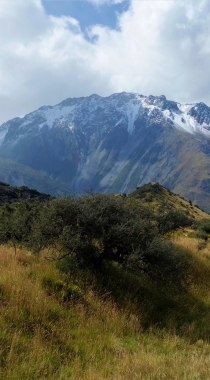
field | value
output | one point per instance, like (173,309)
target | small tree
(106,227)
(16,222)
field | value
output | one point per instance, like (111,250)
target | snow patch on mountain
(132,113)
(57,113)
(186,122)
(87,113)
(185,108)
(48,115)
(150,107)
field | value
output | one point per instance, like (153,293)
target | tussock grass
(187,242)
(200,252)
(89,326)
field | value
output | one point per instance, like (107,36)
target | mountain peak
(124,109)
(114,143)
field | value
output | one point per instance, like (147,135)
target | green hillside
(83,326)
(157,197)
(20,175)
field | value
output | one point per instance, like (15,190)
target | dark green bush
(204,225)
(172,219)
(161,261)
(16,221)
(202,235)
(92,229)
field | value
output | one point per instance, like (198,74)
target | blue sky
(52,50)
(85,12)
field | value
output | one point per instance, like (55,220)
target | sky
(51,50)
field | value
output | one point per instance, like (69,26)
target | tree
(16,222)
(105,227)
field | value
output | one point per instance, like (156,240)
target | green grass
(108,325)
(157,196)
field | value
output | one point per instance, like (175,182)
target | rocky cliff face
(116,143)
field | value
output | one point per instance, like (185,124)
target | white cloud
(101,2)
(160,47)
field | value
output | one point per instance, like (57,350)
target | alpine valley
(115,144)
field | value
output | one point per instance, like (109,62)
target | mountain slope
(116,143)
(157,197)
(20,175)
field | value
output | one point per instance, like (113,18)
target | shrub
(16,222)
(92,229)
(168,221)
(202,235)
(204,225)
(161,261)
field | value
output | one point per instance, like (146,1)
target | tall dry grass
(44,335)
(200,254)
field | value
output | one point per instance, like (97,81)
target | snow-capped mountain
(116,143)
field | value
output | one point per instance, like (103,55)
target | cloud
(159,47)
(102,2)
(43,59)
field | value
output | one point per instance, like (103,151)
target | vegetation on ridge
(10,194)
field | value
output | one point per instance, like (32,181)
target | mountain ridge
(116,143)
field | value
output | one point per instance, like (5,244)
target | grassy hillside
(158,197)
(19,175)
(114,326)
(117,288)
